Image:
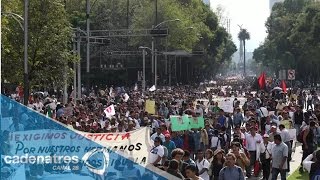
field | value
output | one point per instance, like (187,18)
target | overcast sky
(251,14)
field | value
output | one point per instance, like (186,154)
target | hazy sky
(251,14)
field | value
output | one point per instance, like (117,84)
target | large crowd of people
(256,139)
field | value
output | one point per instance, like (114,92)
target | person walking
(279,158)
(285,136)
(312,165)
(265,156)
(191,172)
(217,164)
(252,140)
(298,118)
(231,171)
(203,165)
(309,144)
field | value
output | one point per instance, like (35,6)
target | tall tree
(49,46)
(243,36)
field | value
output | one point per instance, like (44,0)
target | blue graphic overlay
(36,147)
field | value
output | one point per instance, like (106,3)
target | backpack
(314,172)
(300,136)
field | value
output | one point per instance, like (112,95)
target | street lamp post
(153,63)
(144,67)
(155,67)
(79,63)
(26,74)
(88,39)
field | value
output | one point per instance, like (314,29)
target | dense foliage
(51,23)
(49,43)
(293,41)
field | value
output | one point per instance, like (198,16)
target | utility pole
(26,74)
(155,68)
(169,71)
(144,70)
(79,63)
(75,73)
(88,40)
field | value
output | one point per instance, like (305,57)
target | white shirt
(215,143)
(137,123)
(268,151)
(307,162)
(203,164)
(38,106)
(285,136)
(154,124)
(155,152)
(252,141)
(161,136)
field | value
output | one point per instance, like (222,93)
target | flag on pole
(153,88)
(262,80)
(109,111)
(283,86)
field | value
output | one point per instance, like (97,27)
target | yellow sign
(150,106)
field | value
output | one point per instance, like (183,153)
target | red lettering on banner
(108,135)
(126,136)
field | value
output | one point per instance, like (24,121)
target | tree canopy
(50,33)
(49,46)
(293,39)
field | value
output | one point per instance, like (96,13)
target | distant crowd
(256,139)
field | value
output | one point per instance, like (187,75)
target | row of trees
(293,40)
(50,35)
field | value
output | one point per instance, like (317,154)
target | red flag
(262,80)
(283,86)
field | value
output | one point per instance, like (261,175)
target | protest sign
(227,105)
(196,122)
(150,106)
(178,123)
(110,111)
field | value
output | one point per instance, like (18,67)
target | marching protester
(231,171)
(266,156)
(279,158)
(217,164)
(203,165)
(312,165)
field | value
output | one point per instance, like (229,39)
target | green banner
(196,122)
(178,123)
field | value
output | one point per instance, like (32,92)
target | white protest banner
(221,100)
(110,111)
(134,144)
